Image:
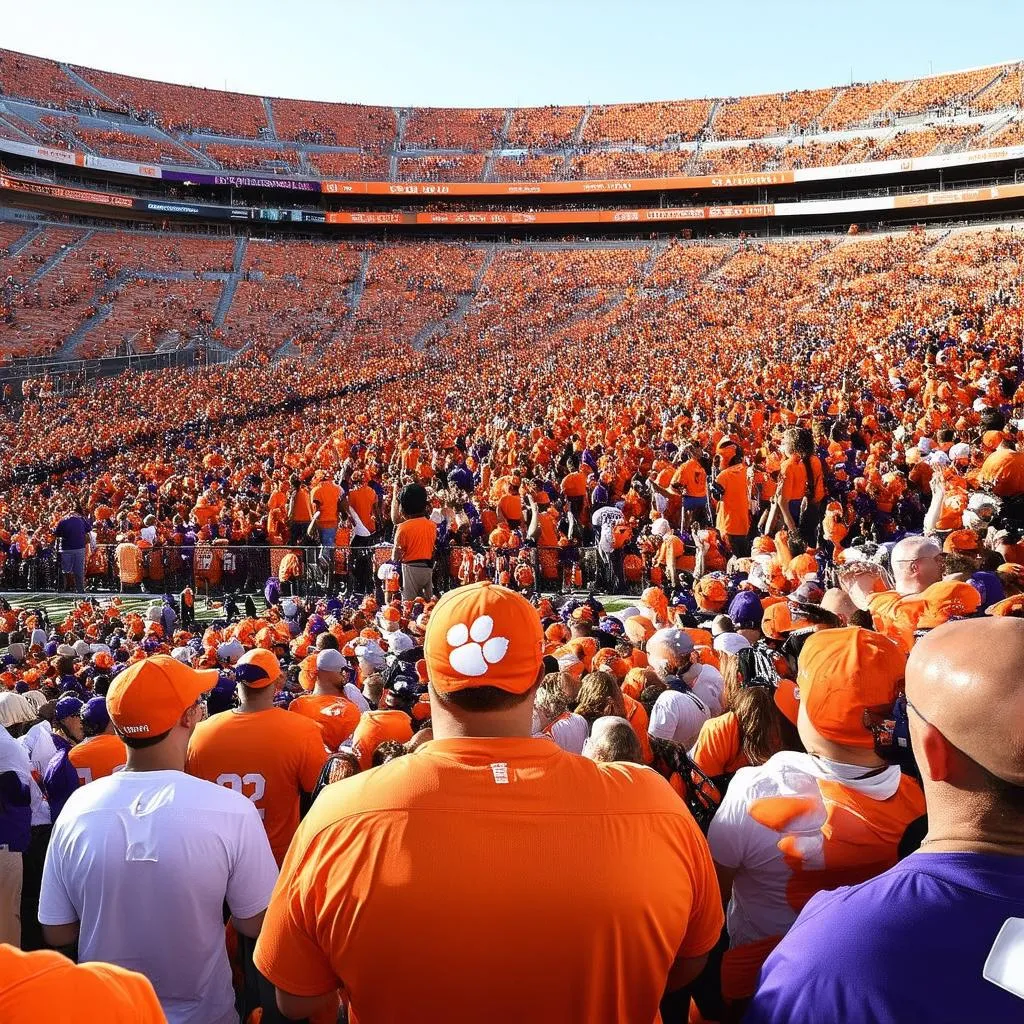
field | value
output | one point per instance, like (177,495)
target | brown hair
(600,695)
(763,729)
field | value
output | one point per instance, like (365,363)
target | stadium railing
(216,570)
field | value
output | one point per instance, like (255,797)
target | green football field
(58,605)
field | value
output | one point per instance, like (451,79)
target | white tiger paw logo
(475,650)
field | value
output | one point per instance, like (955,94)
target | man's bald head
(916,564)
(964,679)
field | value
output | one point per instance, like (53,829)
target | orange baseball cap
(258,668)
(781,618)
(1013,606)
(149,696)
(483,635)
(711,594)
(842,673)
(964,541)
(639,629)
(947,600)
(992,439)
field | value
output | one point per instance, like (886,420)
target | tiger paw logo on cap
(483,635)
(474,649)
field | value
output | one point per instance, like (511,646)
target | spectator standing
(151,853)
(73,534)
(432,826)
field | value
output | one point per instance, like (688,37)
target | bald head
(916,564)
(964,679)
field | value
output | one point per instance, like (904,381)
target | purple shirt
(73,531)
(908,945)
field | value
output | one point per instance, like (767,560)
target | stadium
(406,512)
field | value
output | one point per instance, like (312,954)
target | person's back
(98,756)
(141,863)
(560,833)
(270,757)
(145,860)
(335,716)
(895,930)
(556,888)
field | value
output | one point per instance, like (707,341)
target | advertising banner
(241,180)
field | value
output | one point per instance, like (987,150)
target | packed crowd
(782,739)
(582,137)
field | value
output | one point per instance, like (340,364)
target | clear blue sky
(465,53)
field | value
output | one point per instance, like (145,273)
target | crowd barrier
(217,570)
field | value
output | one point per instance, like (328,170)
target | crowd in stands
(442,168)
(241,158)
(444,128)
(646,128)
(802,457)
(334,124)
(543,127)
(755,117)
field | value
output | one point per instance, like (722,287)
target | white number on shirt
(333,710)
(239,782)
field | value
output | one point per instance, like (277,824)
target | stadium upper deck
(119,117)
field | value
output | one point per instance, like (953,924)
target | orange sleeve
(717,744)
(706,913)
(287,951)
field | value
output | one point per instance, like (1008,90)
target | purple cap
(50,649)
(67,707)
(745,610)
(95,715)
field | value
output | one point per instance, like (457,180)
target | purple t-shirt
(908,945)
(73,531)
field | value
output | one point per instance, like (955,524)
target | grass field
(58,605)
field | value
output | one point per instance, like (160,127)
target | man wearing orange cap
(803,822)
(259,750)
(484,799)
(150,853)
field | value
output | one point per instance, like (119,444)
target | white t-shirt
(678,717)
(708,685)
(570,733)
(354,694)
(786,789)
(145,861)
(38,743)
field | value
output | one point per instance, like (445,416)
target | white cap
(660,527)
(100,649)
(154,613)
(371,653)
(960,450)
(67,651)
(14,709)
(230,651)
(38,638)
(289,609)
(183,654)
(330,660)
(82,648)
(399,643)
(925,445)
(730,643)
(939,458)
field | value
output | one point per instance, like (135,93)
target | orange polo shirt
(605,851)
(415,539)
(269,756)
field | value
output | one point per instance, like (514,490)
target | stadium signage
(516,188)
(74,195)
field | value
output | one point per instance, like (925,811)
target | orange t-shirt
(1003,470)
(415,539)
(100,993)
(129,562)
(268,756)
(326,495)
(362,500)
(794,479)
(377,727)
(302,510)
(733,518)
(443,821)
(336,716)
(692,478)
(98,757)
(718,750)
